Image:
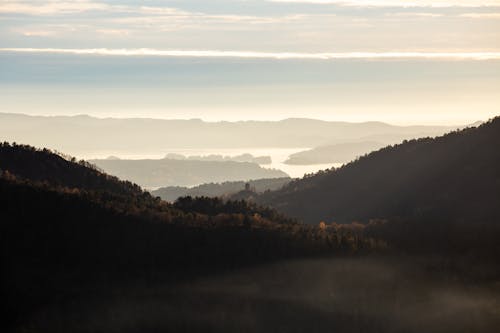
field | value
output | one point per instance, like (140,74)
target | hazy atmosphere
(412,62)
(250,166)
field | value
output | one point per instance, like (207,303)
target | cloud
(138,14)
(400,3)
(61,7)
(412,14)
(268,55)
(38,33)
(481,15)
(49,7)
(263,26)
(114,32)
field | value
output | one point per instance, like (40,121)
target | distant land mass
(345,152)
(172,193)
(455,177)
(155,173)
(339,153)
(84,135)
(263,160)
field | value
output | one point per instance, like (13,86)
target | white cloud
(48,30)
(481,15)
(139,14)
(199,19)
(400,3)
(114,32)
(57,7)
(38,33)
(268,55)
(49,7)
(412,14)
(270,27)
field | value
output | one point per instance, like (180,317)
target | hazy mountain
(344,152)
(339,153)
(84,135)
(173,172)
(171,193)
(455,177)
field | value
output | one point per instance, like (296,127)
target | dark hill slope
(171,193)
(42,165)
(452,177)
(66,229)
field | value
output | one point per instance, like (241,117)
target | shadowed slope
(43,165)
(452,177)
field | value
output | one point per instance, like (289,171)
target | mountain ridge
(423,177)
(199,120)
(86,136)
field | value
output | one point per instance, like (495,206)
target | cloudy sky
(255,25)
(400,61)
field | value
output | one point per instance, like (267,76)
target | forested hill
(45,166)
(66,228)
(225,189)
(455,177)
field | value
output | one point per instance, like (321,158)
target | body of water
(278,156)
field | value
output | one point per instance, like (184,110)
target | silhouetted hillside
(171,193)
(42,165)
(81,257)
(63,236)
(455,177)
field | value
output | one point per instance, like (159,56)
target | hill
(224,189)
(90,253)
(455,177)
(339,153)
(43,165)
(173,172)
(143,136)
(68,230)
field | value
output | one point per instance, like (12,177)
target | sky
(404,62)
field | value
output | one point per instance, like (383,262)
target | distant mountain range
(339,153)
(455,177)
(347,151)
(225,189)
(84,135)
(174,172)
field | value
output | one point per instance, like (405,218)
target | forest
(424,213)
(224,189)
(65,224)
(454,177)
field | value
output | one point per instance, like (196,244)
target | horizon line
(469,123)
(260,55)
